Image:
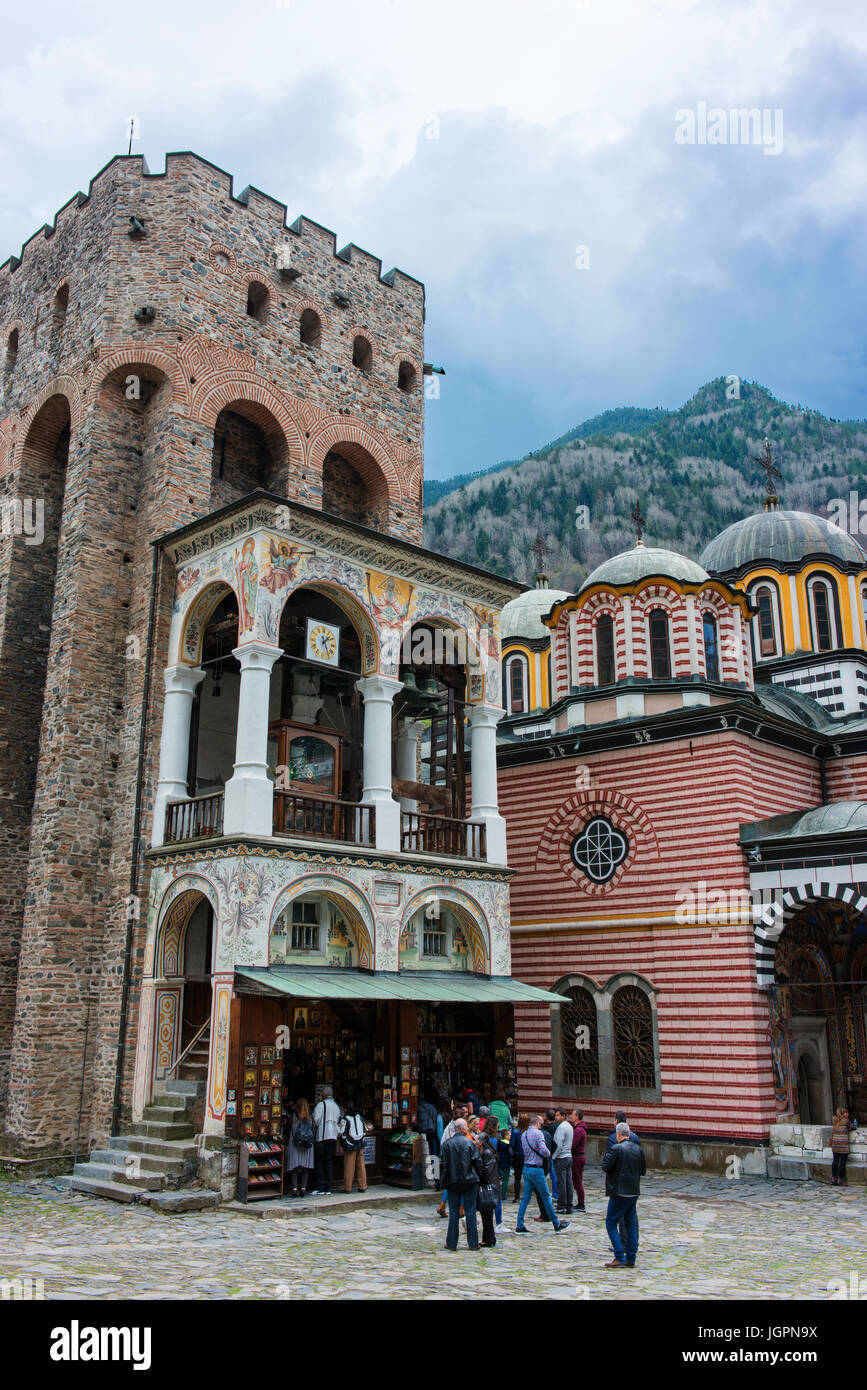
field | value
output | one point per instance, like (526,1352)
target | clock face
(322,642)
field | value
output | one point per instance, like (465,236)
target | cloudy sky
(521,160)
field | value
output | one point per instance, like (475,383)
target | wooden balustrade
(424,834)
(195,819)
(352,822)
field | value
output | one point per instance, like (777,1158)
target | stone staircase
(158,1155)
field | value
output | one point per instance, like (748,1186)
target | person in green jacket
(500,1110)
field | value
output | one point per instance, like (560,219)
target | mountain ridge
(694,470)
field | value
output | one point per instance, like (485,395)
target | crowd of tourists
(312,1141)
(480,1151)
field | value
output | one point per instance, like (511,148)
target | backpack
(346,1137)
(303,1136)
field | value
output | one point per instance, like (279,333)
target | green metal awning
(431,987)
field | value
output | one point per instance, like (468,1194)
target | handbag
(488,1196)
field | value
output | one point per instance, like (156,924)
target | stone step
(145,1162)
(793,1169)
(177,1086)
(175,1150)
(106,1172)
(165,1114)
(171,1101)
(98,1187)
(190,1199)
(160,1129)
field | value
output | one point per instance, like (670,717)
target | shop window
(605,651)
(765,622)
(311,328)
(711,647)
(362,354)
(632,1026)
(660,652)
(517,684)
(579,1039)
(257,301)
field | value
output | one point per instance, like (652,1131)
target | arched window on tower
(822,615)
(632,1028)
(766,621)
(406,376)
(310,328)
(711,647)
(517,685)
(11,352)
(660,650)
(362,354)
(257,301)
(61,304)
(605,670)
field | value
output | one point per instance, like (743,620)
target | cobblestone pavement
(700,1238)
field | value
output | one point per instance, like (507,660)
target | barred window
(433,943)
(580,1039)
(632,1025)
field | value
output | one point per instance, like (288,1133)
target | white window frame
(812,584)
(775,619)
(525,679)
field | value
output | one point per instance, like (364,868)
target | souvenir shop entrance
(380,1054)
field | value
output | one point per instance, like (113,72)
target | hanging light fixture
(217,676)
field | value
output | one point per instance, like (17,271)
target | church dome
(522,616)
(787,537)
(642,561)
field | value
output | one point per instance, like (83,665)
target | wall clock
(323,642)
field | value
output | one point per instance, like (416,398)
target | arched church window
(632,1026)
(362,354)
(766,621)
(605,674)
(257,300)
(579,1039)
(517,684)
(822,611)
(660,651)
(711,647)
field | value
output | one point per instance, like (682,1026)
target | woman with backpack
(352,1132)
(299,1150)
(489,1189)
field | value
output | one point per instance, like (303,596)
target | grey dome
(644,560)
(522,616)
(787,537)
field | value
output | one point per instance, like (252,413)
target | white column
(181,682)
(628,653)
(378,693)
(408,736)
(692,624)
(249,797)
(485,807)
(797,642)
(739,640)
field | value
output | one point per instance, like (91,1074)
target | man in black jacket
(460,1174)
(624,1166)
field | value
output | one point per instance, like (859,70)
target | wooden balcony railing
(349,821)
(463,839)
(195,819)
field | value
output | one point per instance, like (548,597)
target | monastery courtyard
(701,1238)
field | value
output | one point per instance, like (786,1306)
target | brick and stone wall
(115,422)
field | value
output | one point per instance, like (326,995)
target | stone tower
(167,348)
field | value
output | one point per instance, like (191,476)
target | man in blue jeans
(624,1166)
(460,1174)
(535,1154)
